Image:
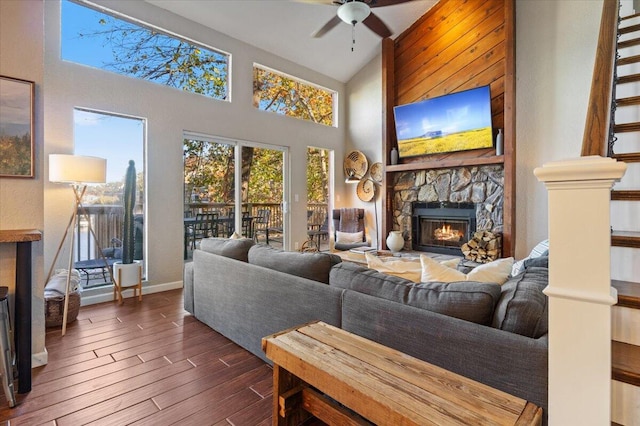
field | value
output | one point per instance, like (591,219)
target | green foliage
(15,155)
(317,175)
(286,96)
(151,55)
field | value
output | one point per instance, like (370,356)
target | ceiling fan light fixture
(354,12)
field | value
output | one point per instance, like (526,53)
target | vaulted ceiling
(285,28)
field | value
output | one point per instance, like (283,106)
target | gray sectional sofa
(494,334)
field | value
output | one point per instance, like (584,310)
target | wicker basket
(54,309)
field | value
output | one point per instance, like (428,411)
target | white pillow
(492,272)
(409,268)
(348,237)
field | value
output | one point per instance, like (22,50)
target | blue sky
(452,113)
(118,139)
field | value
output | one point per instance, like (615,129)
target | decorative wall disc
(356,163)
(376,172)
(366,190)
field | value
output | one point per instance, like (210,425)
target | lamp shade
(66,168)
(354,12)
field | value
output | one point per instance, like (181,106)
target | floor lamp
(78,171)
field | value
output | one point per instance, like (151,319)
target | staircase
(624,145)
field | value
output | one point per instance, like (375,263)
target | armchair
(348,221)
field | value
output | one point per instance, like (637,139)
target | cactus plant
(128,235)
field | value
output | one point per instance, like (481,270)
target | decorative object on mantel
(395,241)
(356,165)
(78,171)
(394,156)
(376,172)
(17,128)
(484,247)
(499,143)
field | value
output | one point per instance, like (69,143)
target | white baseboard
(105,294)
(39,359)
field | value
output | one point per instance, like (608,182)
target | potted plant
(128,273)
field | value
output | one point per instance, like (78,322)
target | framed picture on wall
(16,128)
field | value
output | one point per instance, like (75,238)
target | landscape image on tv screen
(455,122)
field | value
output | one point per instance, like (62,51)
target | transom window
(283,94)
(110,41)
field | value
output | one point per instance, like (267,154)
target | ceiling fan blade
(315,1)
(327,27)
(383,3)
(376,25)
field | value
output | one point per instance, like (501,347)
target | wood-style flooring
(144,363)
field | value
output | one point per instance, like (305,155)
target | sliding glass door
(216,170)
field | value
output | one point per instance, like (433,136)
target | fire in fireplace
(442,227)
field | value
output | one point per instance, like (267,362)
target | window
(122,45)
(287,95)
(118,139)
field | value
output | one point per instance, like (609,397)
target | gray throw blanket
(349,220)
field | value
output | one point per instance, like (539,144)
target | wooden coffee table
(345,379)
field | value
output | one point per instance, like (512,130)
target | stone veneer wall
(482,185)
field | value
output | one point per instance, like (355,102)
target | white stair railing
(579,290)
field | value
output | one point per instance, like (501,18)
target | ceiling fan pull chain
(353,35)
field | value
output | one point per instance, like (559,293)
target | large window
(283,94)
(118,139)
(108,41)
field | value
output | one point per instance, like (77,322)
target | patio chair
(205,226)
(349,221)
(261,224)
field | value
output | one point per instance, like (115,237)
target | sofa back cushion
(313,266)
(467,300)
(232,248)
(523,307)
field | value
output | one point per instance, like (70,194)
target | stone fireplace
(479,186)
(442,227)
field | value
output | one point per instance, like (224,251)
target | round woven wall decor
(356,164)
(376,172)
(366,190)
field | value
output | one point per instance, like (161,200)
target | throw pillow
(541,249)
(348,237)
(492,272)
(234,249)
(408,268)
(313,266)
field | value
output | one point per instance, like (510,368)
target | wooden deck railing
(598,121)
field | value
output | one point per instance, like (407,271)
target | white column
(579,290)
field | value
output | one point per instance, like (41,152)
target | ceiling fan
(355,11)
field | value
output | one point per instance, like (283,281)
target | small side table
(23,293)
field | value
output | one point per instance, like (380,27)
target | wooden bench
(344,379)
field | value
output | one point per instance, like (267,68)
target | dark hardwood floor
(144,363)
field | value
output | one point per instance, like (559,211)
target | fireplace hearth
(442,227)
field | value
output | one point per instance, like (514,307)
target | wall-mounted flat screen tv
(454,122)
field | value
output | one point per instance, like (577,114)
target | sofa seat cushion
(313,266)
(232,248)
(523,307)
(470,301)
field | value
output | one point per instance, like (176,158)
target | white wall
(169,112)
(364,133)
(555,52)
(21,203)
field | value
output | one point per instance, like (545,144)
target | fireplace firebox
(442,227)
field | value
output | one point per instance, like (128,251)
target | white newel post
(579,290)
